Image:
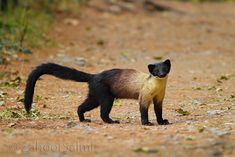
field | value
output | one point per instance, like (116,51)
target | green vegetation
(13,113)
(198,1)
(24,24)
(21,27)
(20,113)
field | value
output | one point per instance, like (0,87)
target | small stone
(2,103)
(190,138)
(27,51)
(71,124)
(219,89)
(215,112)
(197,102)
(110,137)
(70,21)
(11,124)
(218,132)
(2,94)
(80,61)
(115,9)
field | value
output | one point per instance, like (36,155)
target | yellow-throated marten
(104,87)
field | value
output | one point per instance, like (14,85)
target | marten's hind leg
(89,104)
(106,104)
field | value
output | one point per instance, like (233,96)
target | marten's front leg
(144,106)
(158,112)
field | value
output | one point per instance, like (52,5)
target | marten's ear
(151,67)
(168,63)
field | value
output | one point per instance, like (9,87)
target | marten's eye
(165,69)
(156,71)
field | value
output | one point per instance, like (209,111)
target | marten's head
(160,69)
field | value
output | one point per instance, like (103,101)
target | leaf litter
(182,112)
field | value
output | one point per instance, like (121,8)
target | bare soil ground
(201,45)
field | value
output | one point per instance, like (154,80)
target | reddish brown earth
(201,45)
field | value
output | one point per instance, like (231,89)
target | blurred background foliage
(24,23)
(206,0)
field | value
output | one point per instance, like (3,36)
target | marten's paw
(116,121)
(147,123)
(113,121)
(110,121)
(163,122)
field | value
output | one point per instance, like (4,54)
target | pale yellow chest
(154,88)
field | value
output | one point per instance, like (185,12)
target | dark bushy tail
(55,70)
